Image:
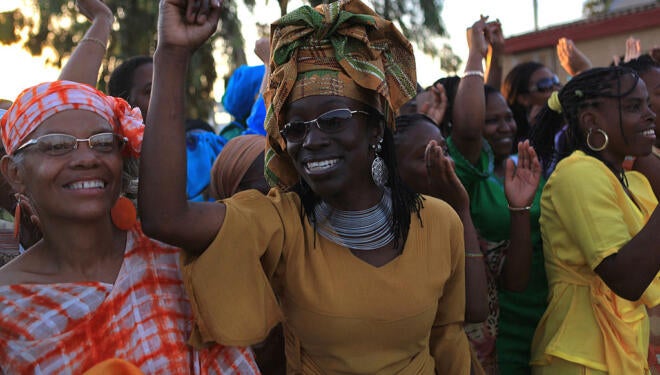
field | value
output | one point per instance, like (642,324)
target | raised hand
(571,58)
(495,37)
(476,37)
(442,179)
(94,9)
(187,24)
(522,180)
(633,49)
(433,103)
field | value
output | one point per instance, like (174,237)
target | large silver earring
(379,171)
(602,132)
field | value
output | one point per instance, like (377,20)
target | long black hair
(516,83)
(405,202)
(578,93)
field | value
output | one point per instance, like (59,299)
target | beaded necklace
(368,229)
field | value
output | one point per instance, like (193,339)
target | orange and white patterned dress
(145,318)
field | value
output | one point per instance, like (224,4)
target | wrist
(519,209)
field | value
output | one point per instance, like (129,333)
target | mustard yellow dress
(587,216)
(340,314)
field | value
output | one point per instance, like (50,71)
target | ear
(376,133)
(12,173)
(588,119)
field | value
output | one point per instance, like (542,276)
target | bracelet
(518,209)
(473,255)
(469,73)
(94,40)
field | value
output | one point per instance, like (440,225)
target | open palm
(522,180)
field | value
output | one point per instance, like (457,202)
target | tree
(419,21)
(56,25)
(449,61)
(593,8)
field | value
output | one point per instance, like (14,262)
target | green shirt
(519,312)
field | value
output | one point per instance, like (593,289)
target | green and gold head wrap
(344,49)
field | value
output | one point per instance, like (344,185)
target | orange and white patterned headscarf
(36,104)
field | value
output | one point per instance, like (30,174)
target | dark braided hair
(642,64)
(578,93)
(121,79)
(450,84)
(405,202)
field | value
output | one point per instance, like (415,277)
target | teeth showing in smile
(313,166)
(649,132)
(93,184)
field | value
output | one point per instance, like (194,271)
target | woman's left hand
(442,179)
(521,181)
(433,103)
(94,9)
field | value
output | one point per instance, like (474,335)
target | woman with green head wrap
(366,275)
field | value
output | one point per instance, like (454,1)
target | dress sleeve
(588,202)
(229,284)
(448,342)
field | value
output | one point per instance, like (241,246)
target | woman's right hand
(442,179)
(187,24)
(522,180)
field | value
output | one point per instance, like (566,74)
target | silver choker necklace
(368,229)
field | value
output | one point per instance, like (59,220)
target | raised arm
(444,184)
(571,58)
(85,61)
(520,184)
(470,104)
(166,213)
(495,40)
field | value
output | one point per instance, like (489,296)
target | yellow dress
(586,216)
(340,314)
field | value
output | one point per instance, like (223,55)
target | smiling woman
(386,295)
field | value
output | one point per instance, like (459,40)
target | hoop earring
(379,171)
(602,132)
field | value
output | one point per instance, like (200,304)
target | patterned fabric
(145,318)
(342,48)
(36,104)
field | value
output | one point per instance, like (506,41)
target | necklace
(368,229)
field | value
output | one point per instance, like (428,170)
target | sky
(21,70)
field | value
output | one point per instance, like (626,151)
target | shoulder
(438,212)
(580,168)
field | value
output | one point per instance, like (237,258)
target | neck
(83,250)
(355,200)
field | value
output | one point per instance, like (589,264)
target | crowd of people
(349,221)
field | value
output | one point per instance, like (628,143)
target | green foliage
(593,8)
(449,61)
(57,25)
(419,21)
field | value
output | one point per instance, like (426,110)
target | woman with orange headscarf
(94,287)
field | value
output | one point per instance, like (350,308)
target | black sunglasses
(329,122)
(546,84)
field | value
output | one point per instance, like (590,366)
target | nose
(84,156)
(315,137)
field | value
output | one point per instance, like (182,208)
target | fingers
(510,171)
(199,11)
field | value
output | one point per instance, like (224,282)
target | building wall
(600,51)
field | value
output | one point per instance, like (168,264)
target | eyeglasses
(329,122)
(546,84)
(60,144)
